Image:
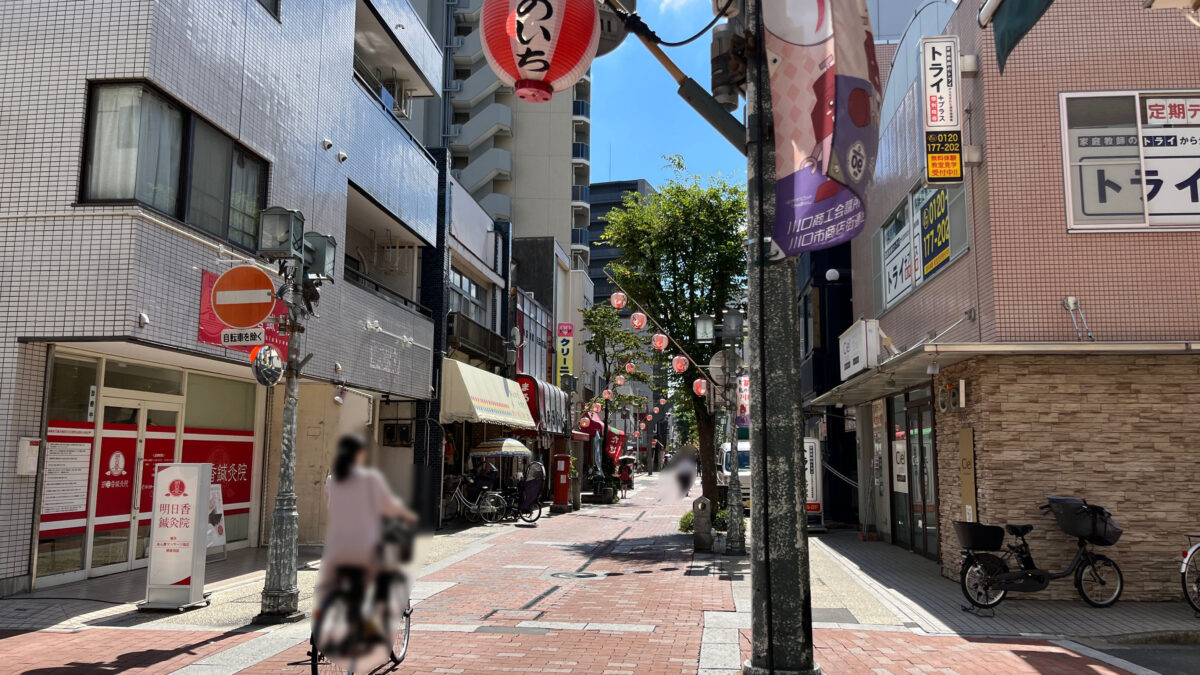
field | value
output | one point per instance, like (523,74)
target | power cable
(637,26)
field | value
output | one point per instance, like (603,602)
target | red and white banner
(211,327)
(231,454)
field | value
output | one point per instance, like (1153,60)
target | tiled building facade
(1047,410)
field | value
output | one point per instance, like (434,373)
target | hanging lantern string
(662,330)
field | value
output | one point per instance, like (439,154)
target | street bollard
(702,532)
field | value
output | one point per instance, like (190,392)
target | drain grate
(574,575)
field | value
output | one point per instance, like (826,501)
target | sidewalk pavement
(613,590)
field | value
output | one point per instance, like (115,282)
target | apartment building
(1045,341)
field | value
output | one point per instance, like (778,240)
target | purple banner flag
(825,93)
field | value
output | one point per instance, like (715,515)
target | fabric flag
(1012,21)
(825,94)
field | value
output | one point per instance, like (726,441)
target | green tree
(683,254)
(613,346)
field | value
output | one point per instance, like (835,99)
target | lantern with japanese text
(607,394)
(620,380)
(637,320)
(630,368)
(659,341)
(655,410)
(539,47)
(700,386)
(617,300)
(584,422)
(680,364)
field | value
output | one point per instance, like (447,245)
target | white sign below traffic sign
(243,337)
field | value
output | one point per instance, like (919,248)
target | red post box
(562,479)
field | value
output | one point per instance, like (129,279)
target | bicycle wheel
(1099,581)
(492,508)
(471,513)
(332,630)
(400,644)
(975,577)
(1191,581)
(533,514)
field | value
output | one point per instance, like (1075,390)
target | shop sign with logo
(564,351)
(941,107)
(900,466)
(178,536)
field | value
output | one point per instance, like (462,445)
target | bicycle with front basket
(487,506)
(986,579)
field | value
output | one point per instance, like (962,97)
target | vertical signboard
(812,467)
(564,352)
(178,536)
(966,467)
(941,108)
(743,402)
(935,232)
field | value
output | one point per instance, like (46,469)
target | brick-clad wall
(1118,431)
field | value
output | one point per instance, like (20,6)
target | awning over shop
(473,395)
(547,404)
(909,368)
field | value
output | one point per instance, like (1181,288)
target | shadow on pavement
(129,660)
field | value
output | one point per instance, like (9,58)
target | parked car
(743,467)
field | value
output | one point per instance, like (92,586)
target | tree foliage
(614,346)
(683,254)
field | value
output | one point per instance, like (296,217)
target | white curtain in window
(211,156)
(244,199)
(113,153)
(159,153)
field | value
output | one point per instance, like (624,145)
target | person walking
(685,473)
(626,474)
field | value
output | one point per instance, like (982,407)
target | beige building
(1044,339)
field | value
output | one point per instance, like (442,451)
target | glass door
(134,437)
(922,480)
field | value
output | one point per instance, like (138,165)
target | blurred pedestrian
(626,474)
(685,473)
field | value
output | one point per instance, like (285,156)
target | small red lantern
(655,410)
(584,422)
(620,380)
(659,341)
(596,407)
(680,364)
(662,401)
(642,425)
(607,394)
(637,320)
(630,368)
(542,47)
(617,300)
(700,386)
(649,417)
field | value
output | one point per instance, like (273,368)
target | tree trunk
(706,436)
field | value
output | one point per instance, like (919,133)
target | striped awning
(473,395)
(501,447)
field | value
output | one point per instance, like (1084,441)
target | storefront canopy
(473,395)
(547,404)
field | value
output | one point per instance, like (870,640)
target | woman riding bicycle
(359,499)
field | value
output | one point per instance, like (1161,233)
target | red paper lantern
(617,300)
(539,47)
(680,364)
(584,422)
(637,320)
(607,394)
(649,417)
(642,425)
(630,368)
(700,386)
(596,407)
(655,410)
(659,341)
(620,380)
(662,401)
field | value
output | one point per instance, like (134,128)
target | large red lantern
(630,368)
(617,300)
(620,380)
(539,47)
(659,341)
(700,386)
(637,320)
(680,364)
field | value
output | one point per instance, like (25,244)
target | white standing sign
(178,536)
(814,507)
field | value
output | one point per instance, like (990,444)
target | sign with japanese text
(812,470)
(178,532)
(213,331)
(531,389)
(215,530)
(743,402)
(564,348)
(231,455)
(898,260)
(941,109)
(65,476)
(935,232)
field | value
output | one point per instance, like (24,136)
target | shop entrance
(135,435)
(921,479)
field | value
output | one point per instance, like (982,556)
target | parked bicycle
(986,579)
(487,505)
(360,623)
(1189,572)
(523,501)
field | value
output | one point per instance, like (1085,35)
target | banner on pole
(825,94)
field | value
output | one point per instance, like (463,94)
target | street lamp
(280,233)
(705,328)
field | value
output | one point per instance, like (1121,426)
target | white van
(743,467)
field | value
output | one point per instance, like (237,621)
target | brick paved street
(611,589)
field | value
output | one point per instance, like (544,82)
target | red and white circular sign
(243,297)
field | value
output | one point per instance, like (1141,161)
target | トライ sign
(941,109)
(243,297)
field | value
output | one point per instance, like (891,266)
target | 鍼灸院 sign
(178,535)
(941,108)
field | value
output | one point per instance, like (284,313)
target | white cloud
(665,6)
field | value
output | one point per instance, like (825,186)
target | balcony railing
(581,193)
(363,281)
(465,333)
(376,88)
(580,151)
(581,108)
(581,237)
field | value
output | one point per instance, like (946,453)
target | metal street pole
(281,594)
(735,539)
(781,606)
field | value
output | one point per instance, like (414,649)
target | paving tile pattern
(101,650)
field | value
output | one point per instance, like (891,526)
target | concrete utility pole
(281,594)
(781,605)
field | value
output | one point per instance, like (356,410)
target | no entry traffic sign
(243,297)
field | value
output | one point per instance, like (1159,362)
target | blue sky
(636,115)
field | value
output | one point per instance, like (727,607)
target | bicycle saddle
(1018,530)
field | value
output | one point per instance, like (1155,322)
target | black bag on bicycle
(398,536)
(1086,521)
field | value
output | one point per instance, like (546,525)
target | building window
(139,142)
(1132,160)
(468,298)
